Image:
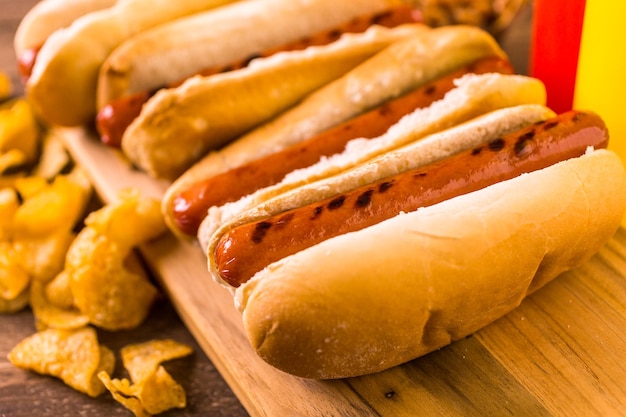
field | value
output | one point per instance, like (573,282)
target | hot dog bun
(62,87)
(401,67)
(180,125)
(370,300)
(179,49)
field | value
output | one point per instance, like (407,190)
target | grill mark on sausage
(521,145)
(496,144)
(384,110)
(260,231)
(550,125)
(336,202)
(385,186)
(317,212)
(283,221)
(364,199)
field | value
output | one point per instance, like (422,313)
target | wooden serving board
(561,353)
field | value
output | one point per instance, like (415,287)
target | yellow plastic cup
(601,76)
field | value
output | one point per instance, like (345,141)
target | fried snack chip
(131,221)
(42,257)
(59,293)
(160,392)
(37,219)
(142,359)
(74,356)
(11,159)
(105,288)
(20,130)
(13,279)
(28,187)
(50,315)
(16,304)
(20,134)
(153,390)
(9,203)
(50,207)
(108,283)
(123,393)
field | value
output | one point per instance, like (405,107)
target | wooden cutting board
(561,353)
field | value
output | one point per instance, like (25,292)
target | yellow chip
(55,206)
(108,286)
(16,304)
(122,392)
(43,257)
(131,221)
(48,315)
(9,204)
(74,356)
(108,282)
(159,392)
(12,160)
(30,186)
(153,390)
(14,279)
(106,365)
(142,359)
(59,293)
(20,130)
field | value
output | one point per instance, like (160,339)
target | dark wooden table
(26,394)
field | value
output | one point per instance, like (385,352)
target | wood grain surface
(561,353)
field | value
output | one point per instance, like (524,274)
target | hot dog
(411,73)
(62,85)
(415,278)
(179,126)
(518,101)
(195,45)
(247,249)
